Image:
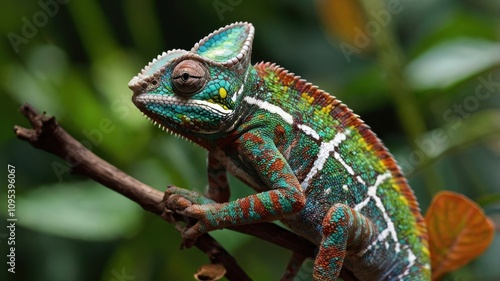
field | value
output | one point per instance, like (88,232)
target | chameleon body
(313,163)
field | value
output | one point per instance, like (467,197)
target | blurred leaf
(231,240)
(454,136)
(184,160)
(91,24)
(111,75)
(39,80)
(458,230)
(82,210)
(153,253)
(488,199)
(451,62)
(369,95)
(452,24)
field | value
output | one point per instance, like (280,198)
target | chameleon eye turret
(189,77)
(194,93)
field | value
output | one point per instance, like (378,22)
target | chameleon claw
(168,192)
(168,215)
(177,202)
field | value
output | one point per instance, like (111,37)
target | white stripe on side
(271,108)
(372,194)
(323,154)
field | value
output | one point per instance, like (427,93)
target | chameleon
(314,164)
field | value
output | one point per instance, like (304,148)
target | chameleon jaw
(142,100)
(214,108)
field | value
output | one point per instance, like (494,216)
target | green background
(74,60)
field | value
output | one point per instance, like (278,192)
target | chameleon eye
(189,77)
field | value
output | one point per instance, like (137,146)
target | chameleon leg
(344,229)
(280,194)
(176,196)
(218,189)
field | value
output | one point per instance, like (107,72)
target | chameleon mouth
(142,100)
(190,111)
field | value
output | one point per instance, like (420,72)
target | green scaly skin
(313,163)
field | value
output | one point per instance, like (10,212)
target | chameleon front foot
(178,203)
(189,204)
(171,208)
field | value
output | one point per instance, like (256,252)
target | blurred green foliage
(73,59)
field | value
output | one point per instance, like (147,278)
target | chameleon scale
(313,163)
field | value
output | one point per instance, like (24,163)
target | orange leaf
(345,19)
(458,230)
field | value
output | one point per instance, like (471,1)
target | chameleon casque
(313,163)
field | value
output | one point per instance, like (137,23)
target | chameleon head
(196,91)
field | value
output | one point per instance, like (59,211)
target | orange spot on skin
(259,208)
(278,165)
(279,131)
(249,137)
(246,207)
(275,199)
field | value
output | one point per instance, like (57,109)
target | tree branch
(49,136)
